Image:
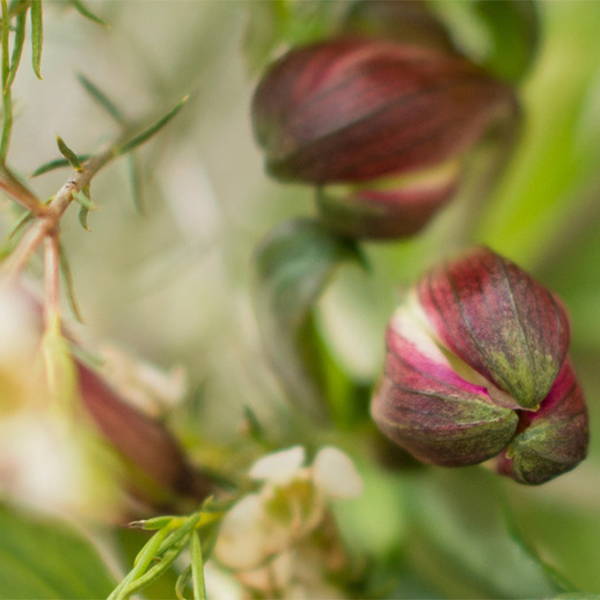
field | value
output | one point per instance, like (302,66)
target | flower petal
(500,321)
(424,406)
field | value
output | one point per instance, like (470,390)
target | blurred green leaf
(37,35)
(293,265)
(47,559)
(138,140)
(513,29)
(102,99)
(83,10)
(577,596)
(461,539)
(17,46)
(65,270)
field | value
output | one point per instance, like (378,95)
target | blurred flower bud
(406,21)
(140,439)
(477,368)
(378,126)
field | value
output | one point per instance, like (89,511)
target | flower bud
(378,123)
(477,368)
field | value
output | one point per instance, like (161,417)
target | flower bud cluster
(477,368)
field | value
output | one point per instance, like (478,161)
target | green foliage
(46,559)
(293,265)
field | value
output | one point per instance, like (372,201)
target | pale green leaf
(71,157)
(37,36)
(197,564)
(46,559)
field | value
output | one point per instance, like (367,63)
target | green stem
(6,89)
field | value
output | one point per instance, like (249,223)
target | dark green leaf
(82,9)
(103,100)
(47,559)
(293,266)
(138,140)
(71,157)
(461,539)
(512,26)
(37,36)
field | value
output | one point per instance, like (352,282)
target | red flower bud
(477,367)
(367,113)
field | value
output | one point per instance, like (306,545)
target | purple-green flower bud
(379,126)
(477,368)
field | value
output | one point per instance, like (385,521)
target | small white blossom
(265,539)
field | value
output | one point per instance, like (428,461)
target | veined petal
(500,321)
(423,405)
(353,109)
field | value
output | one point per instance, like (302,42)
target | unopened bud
(377,123)
(477,368)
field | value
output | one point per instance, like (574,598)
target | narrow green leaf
(86,205)
(156,571)
(142,561)
(37,37)
(183,581)
(102,99)
(83,10)
(59,163)
(7,107)
(25,218)
(179,533)
(135,178)
(71,157)
(65,269)
(17,46)
(153,523)
(41,558)
(293,267)
(198,584)
(84,200)
(138,140)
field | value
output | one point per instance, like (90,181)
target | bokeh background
(174,285)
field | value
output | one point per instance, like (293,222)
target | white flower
(265,538)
